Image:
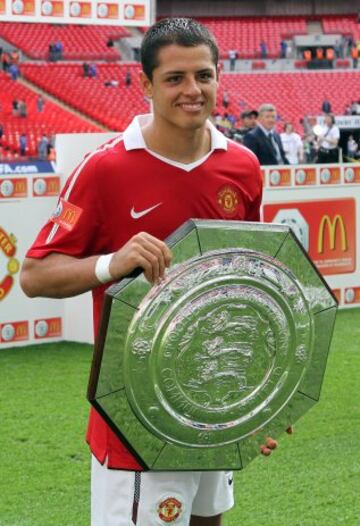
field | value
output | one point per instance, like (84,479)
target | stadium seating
(342,24)
(294,94)
(53,119)
(112,106)
(245,34)
(80,42)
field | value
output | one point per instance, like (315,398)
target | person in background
(43,147)
(263,49)
(248,122)
(22,109)
(128,78)
(14,71)
(264,140)
(92,71)
(328,141)
(40,103)
(233,55)
(352,148)
(326,106)
(292,144)
(23,144)
(85,68)
(225,99)
(355,56)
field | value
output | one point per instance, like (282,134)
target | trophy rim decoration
(181,408)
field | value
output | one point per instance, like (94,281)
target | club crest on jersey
(228,199)
(66,214)
(169,509)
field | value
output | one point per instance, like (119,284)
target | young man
(127,197)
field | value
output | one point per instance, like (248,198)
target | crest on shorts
(228,199)
(169,509)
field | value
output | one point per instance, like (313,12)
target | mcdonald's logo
(332,226)
(21,331)
(69,216)
(20,186)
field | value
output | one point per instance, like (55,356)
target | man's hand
(271,444)
(145,251)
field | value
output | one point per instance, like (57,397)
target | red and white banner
(106,12)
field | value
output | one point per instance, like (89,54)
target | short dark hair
(180,31)
(249,113)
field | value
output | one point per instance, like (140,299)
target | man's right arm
(62,276)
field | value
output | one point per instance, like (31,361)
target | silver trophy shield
(195,373)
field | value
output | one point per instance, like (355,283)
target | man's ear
(146,84)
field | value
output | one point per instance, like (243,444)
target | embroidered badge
(66,214)
(169,509)
(228,199)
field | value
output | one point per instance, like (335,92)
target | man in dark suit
(263,140)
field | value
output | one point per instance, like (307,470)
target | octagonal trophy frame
(195,372)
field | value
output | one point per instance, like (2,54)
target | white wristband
(102,271)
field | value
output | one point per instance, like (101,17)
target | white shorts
(127,498)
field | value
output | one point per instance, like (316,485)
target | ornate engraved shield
(231,347)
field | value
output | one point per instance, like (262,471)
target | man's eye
(205,76)
(175,78)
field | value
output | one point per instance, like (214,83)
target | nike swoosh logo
(137,215)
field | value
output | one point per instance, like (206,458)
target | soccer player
(114,212)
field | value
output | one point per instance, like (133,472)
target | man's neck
(184,146)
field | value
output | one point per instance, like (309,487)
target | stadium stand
(80,42)
(108,105)
(53,119)
(294,94)
(343,24)
(245,34)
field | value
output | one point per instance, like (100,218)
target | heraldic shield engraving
(194,373)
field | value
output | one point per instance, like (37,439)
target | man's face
(183,88)
(267,119)
(249,121)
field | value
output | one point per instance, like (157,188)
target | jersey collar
(134,140)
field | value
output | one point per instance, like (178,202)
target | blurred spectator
(43,148)
(248,123)
(85,68)
(1,132)
(326,106)
(40,103)
(225,99)
(328,141)
(233,55)
(15,56)
(22,109)
(111,83)
(355,56)
(319,53)
(307,55)
(110,43)
(292,144)
(283,49)
(330,54)
(128,78)
(14,71)
(52,53)
(58,50)
(352,147)
(92,71)
(263,49)
(22,144)
(15,107)
(5,61)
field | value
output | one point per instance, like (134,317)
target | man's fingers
(166,252)
(271,443)
(265,450)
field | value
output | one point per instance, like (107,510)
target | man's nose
(192,87)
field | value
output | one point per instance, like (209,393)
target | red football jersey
(122,189)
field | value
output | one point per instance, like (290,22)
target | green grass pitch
(313,479)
